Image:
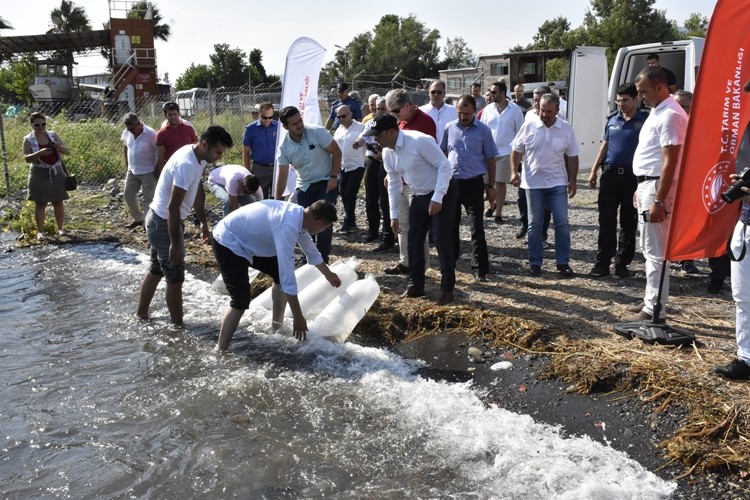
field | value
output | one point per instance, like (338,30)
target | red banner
(701,221)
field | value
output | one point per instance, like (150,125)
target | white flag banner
(299,88)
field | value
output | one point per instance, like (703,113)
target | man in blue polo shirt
(471,151)
(618,184)
(260,147)
(342,89)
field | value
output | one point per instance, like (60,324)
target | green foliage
(696,25)
(138,10)
(15,77)
(458,54)
(619,23)
(69,17)
(195,76)
(26,222)
(228,66)
(257,71)
(557,69)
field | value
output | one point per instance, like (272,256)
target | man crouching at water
(263,236)
(179,189)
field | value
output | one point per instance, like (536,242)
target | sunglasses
(37,125)
(266,117)
(395,111)
(433,92)
(342,116)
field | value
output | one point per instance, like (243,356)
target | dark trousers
(523,209)
(616,189)
(471,196)
(442,226)
(349,184)
(315,192)
(720,267)
(376,198)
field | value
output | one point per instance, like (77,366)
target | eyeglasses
(433,92)
(266,117)
(342,116)
(37,125)
(395,111)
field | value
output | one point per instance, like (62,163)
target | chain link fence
(91,128)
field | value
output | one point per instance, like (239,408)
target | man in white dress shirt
(655,168)
(437,108)
(417,158)
(352,164)
(263,236)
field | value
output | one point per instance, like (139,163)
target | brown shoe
(133,224)
(397,269)
(413,292)
(445,298)
(635,308)
(632,318)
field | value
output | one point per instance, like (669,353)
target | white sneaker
(62,232)
(41,237)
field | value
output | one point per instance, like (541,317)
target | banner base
(655,333)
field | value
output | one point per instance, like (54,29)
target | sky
(272,26)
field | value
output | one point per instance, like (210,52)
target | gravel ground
(583,306)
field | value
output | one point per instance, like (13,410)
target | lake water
(95,403)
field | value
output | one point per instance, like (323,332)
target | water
(96,403)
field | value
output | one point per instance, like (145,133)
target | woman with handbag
(43,150)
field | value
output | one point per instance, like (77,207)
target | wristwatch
(658,203)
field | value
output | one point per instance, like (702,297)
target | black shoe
(521,232)
(370,238)
(599,270)
(536,270)
(383,248)
(444,299)
(565,271)
(397,269)
(499,219)
(736,370)
(688,267)
(133,224)
(488,213)
(413,292)
(479,277)
(715,285)
(622,272)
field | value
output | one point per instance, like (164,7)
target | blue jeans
(556,199)
(315,192)
(222,195)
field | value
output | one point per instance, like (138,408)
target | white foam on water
(498,453)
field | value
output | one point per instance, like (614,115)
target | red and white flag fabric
(701,221)
(299,88)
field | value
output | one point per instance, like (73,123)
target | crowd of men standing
(422,166)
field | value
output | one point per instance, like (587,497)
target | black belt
(644,178)
(621,170)
(263,164)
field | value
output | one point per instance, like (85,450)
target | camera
(735,191)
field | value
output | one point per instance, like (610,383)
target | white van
(192,101)
(683,57)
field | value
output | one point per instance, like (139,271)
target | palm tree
(69,17)
(140,10)
(5,25)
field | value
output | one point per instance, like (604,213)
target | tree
(14,80)
(696,25)
(618,23)
(257,71)
(197,75)
(228,66)
(68,18)
(458,54)
(140,10)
